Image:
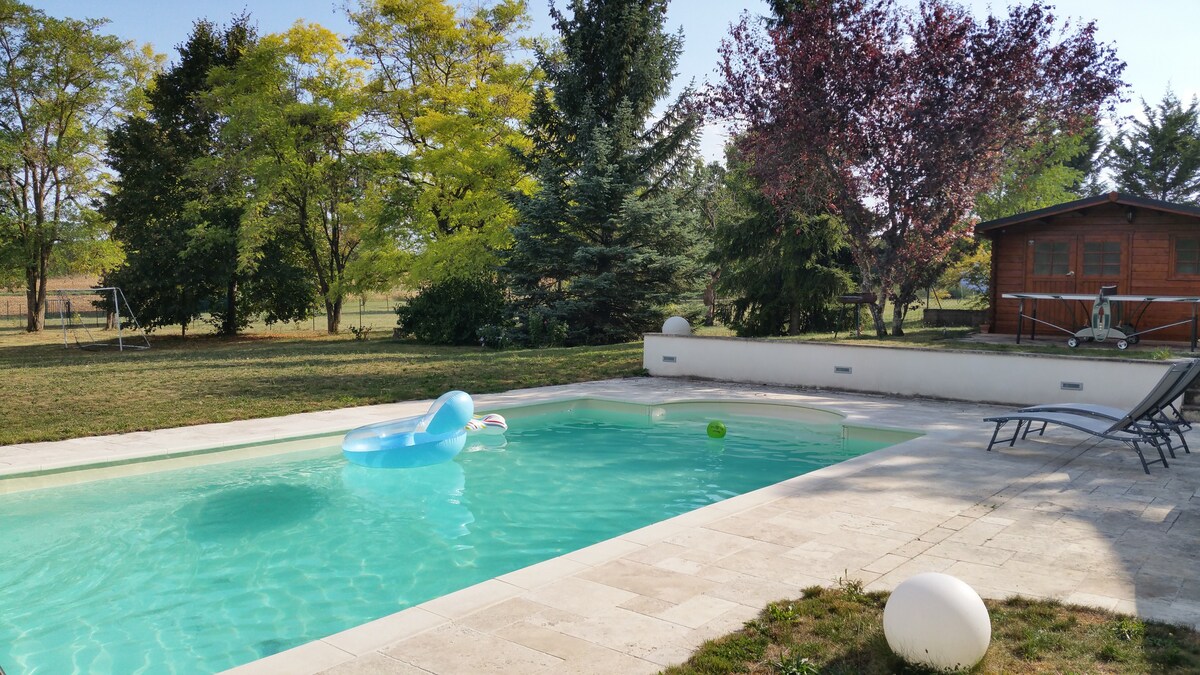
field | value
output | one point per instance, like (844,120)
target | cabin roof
(1120,198)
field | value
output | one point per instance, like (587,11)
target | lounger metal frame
(1165,415)
(1134,428)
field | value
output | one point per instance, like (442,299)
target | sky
(1155,38)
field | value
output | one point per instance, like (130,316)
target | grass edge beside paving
(839,630)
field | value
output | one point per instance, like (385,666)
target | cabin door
(1051,266)
(1077,265)
(1104,261)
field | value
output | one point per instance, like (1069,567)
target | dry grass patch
(840,631)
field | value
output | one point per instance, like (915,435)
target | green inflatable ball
(716,429)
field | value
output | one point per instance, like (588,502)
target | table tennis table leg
(1020,318)
(1033,324)
(1193,326)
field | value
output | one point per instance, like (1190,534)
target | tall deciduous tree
(906,116)
(58,84)
(452,96)
(1159,157)
(600,245)
(293,113)
(180,226)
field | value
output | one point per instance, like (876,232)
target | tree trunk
(877,316)
(229,324)
(35,294)
(710,297)
(333,316)
(899,311)
(794,320)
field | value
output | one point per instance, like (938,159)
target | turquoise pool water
(201,569)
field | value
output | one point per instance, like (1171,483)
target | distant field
(377,313)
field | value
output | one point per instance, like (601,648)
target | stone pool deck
(1062,517)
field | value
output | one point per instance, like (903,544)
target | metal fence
(376,311)
(81,307)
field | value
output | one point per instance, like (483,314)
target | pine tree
(601,243)
(1159,157)
(783,271)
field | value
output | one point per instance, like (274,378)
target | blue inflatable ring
(432,438)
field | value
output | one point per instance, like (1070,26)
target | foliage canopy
(897,119)
(1159,157)
(450,95)
(59,87)
(602,243)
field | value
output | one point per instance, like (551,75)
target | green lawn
(52,393)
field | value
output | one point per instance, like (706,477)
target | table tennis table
(1101,328)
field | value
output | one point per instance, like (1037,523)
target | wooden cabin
(1142,246)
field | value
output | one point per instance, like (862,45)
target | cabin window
(1102,258)
(1051,258)
(1187,256)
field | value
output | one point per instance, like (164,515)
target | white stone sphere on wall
(937,620)
(676,325)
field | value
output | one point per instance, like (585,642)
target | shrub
(544,331)
(451,312)
(496,336)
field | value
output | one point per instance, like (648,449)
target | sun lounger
(1165,414)
(1132,428)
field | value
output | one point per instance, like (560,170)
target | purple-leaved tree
(897,119)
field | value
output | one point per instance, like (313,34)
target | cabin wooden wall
(1146,271)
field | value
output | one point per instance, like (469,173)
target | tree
(897,120)
(600,245)
(179,223)
(1159,157)
(784,271)
(711,200)
(58,83)
(293,113)
(1089,162)
(452,98)
(1038,176)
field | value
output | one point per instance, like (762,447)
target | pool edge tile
(604,551)
(378,634)
(472,598)
(307,659)
(540,574)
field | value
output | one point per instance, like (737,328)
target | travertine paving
(1058,517)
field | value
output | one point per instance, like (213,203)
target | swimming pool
(201,569)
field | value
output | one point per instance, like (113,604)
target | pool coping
(586,611)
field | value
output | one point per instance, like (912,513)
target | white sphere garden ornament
(937,620)
(676,325)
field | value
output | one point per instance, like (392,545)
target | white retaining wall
(1020,379)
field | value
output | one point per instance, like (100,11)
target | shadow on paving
(1060,517)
